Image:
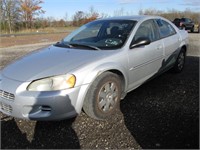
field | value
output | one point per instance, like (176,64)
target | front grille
(6,95)
(6,108)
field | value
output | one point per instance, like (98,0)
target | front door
(146,60)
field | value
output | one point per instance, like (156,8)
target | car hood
(49,62)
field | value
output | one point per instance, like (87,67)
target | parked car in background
(184,23)
(92,68)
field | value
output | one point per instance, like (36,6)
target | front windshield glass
(101,34)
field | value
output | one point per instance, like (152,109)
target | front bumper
(16,101)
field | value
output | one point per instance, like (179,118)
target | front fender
(109,66)
(93,74)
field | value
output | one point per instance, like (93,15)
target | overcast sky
(59,8)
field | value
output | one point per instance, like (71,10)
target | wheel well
(122,79)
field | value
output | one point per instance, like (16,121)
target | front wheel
(192,30)
(102,98)
(180,62)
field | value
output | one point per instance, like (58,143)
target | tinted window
(183,19)
(147,29)
(165,28)
(177,19)
(188,20)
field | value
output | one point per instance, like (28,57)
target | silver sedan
(92,68)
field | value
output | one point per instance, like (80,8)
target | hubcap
(181,60)
(107,97)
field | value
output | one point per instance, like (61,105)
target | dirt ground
(30,39)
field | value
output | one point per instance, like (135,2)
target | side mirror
(140,42)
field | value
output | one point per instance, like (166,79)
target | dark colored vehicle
(184,23)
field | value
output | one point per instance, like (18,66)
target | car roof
(135,17)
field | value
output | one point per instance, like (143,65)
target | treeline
(19,14)
(78,19)
(172,14)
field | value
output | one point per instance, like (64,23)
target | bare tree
(150,12)
(104,15)
(119,12)
(66,17)
(92,13)
(78,18)
(9,12)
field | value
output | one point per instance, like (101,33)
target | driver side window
(146,30)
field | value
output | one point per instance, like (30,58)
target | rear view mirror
(140,42)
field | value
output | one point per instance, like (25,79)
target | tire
(192,30)
(180,62)
(103,96)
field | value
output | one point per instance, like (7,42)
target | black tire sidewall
(192,30)
(91,100)
(176,68)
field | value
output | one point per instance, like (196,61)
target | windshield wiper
(62,44)
(84,45)
(71,45)
(68,45)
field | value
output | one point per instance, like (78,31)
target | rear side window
(183,19)
(165,28)
(177,19)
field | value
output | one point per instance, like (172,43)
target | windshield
(101,34)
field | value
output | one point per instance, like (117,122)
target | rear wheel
(180,62)
(103,96)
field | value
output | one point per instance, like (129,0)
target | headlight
(53,83)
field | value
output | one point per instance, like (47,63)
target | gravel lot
(163,113)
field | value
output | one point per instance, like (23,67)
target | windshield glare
(104,34)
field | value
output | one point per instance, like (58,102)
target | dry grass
(43,30)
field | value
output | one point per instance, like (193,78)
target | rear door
(171,42)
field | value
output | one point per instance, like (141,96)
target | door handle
(159,47)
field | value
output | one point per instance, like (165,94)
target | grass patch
(44,30)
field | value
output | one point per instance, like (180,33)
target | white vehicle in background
(92,68)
